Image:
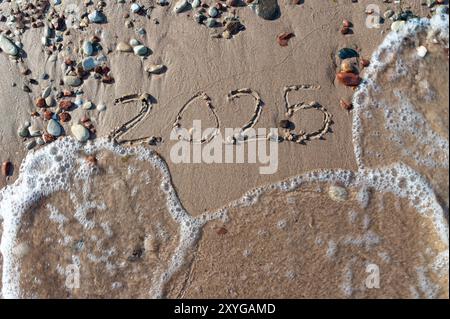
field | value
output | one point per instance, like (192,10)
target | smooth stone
(48,32)
(8,46)
(397,25)
(101,107)
(45,41)
(155,68)
(196,3)
(46,92)
(34,131)
(78,101)
(266,9)
(23,131)
(141,31)
(213,12)
(87,106)
(199,17)
(347,53)
(422,51)
(135,8)
(141,50)
(134,42)
(80,132)
(50,101)
(88,48)
(53,128)
(89,64)
(180,6)
(30,145)
(71,80)
(124,47)
(40,141)
(96,17)
(210,22)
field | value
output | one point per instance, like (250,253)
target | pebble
(31,144)
(141,50)
(285,124)
(46,92)
(135,8)
(338,193)
(266,9)
(87,106)
(347,53)
(196,3)
(40,141)
(180,6)
(8,46)
(347,66)
(80,132)
(88,48)
(422,51)
(89,64)
(213,12)
(96,17)
(23,131)
(101,107)
(71,80)
(155,68)
(50,101)
(124,47)
(134,42)
(7,168)
(34,131)
(54,128)
(349,79)
(210,22)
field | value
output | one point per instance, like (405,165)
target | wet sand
(326,245)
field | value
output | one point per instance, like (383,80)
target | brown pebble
(48,115)
(48,138)
(349,79)
(65,117)
(40,102)
(65,105)
(345,105)
(92,159)
(345,30)
(346,23)
(7,168)
(364,63)
(283,38)
(286,124)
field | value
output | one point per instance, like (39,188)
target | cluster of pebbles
(220,15)
(350,61)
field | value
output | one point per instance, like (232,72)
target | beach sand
(297,243)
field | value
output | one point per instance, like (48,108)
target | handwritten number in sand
(188,136)
(146,106)
(291,109)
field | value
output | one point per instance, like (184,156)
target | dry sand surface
(137,228)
